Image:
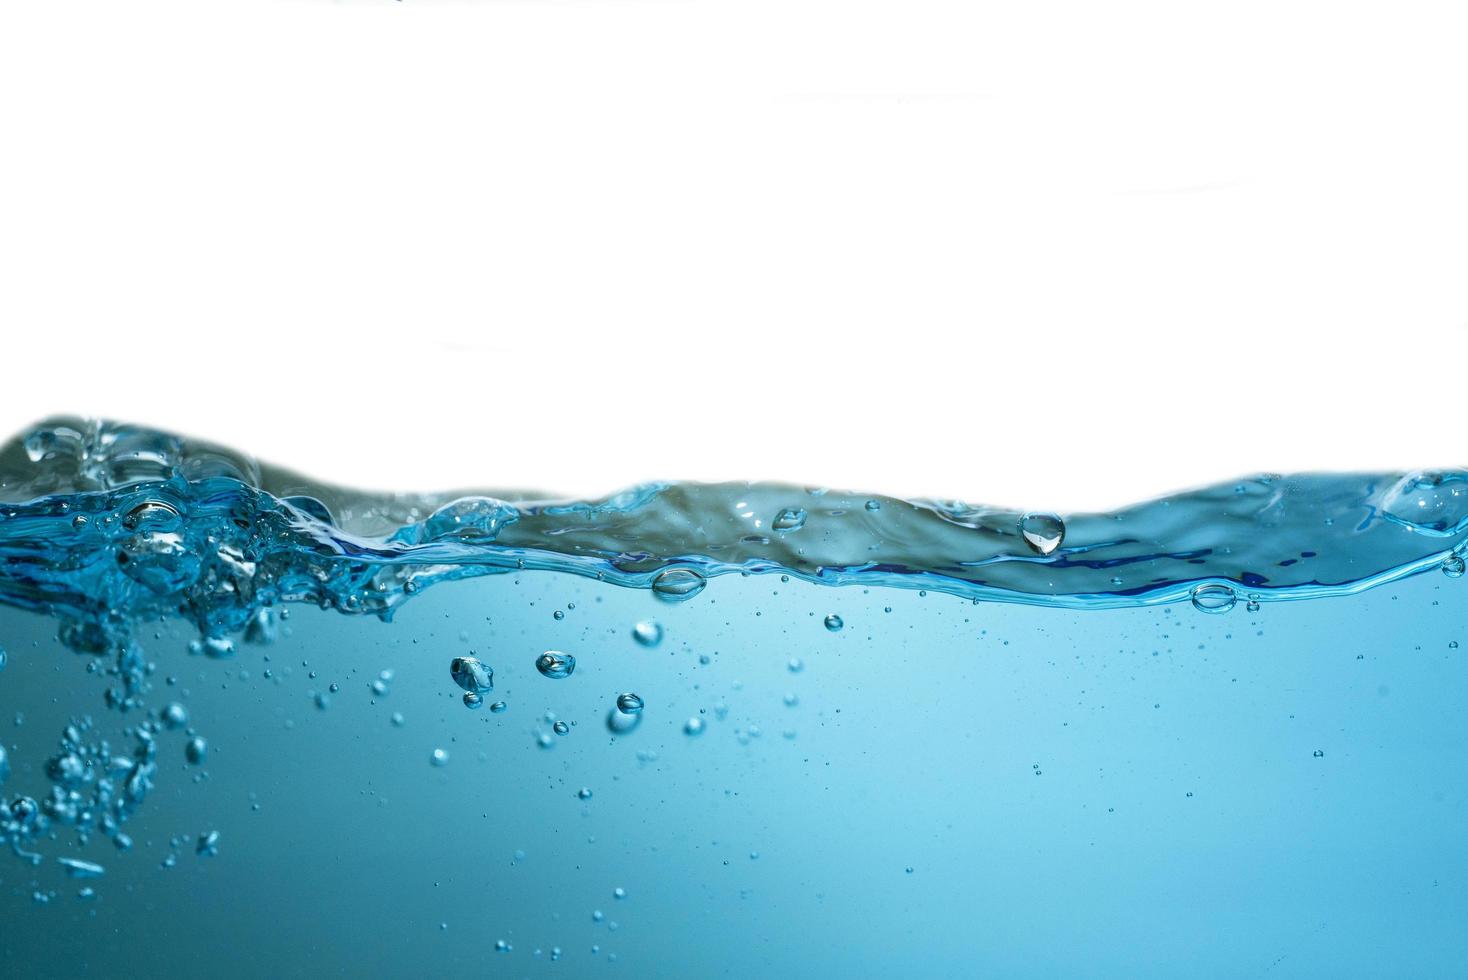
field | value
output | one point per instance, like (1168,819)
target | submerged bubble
(1453,566)
(693,726)
(678,584)
(439,757)
(789,519)
(196,750)
(4,765)
(175,716)
(561,728)
(473,701)
(471,675)
(620,723)
(498,706)
(1042,532)
(77,868)
(207,844)
(629,704)
(555,664)
(4,658)
(834,622)
(583,793)
(649,632)
(1214,597)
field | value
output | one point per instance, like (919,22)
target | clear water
(1216,735)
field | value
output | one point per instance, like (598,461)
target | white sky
(1060,255)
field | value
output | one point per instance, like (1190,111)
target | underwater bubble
(470,518)
(398,720)
(619,893)
(77,868)
(1320,753)
(4,658)
(501,946)
(583,793)
(439,757)
(629,704)
(323,700)
(498,706)
(834,622)
(795,665)
(196,750)
(678,584)
(789,519)
(1252,605)
(649,632)
(560,728)
(1214,597)
(208,844)
(874,505)
(694,726)
(175,716)
(217,647)
(473,701)
(619,723)
(555,664)
(1042,532)
(4,765)
(379,688)
(23,810)
(1453,566)
(471,675)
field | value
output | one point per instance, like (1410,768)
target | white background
(1059,254)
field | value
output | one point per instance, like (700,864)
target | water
(1215,735)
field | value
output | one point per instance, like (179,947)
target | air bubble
(834,622)
(789,519)
(1042,532)
(439,757)
(629,704)
(648,633)
(471,675)
(678,584)
(1453,566)
(555,664)
(1214,597)
(473,701)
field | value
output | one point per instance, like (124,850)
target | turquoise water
(258,726)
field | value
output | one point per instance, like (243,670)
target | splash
(105,525)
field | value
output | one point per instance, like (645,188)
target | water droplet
(555,664)
(196,750)
(649,633)
(439,757)
(1214,597)
(175,716)
(1042,532)
(473,701)
(789,519)
(694,726)
(1453,566)
(471,675)
(834,622)
(560,728)
(629,704)
(678,584)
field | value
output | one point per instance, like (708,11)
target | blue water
(1215,735)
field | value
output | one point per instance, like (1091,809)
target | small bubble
(175,716)
(208,844)
(629,704)
(473,700)
(439,757)
(1453,566)
(619,893)
(501,946)
(694,726)
(648,633)
(1042,532)
(1252,606)
(583,793)
(498,706)
(789,519)
(555,664)
(1320,753)
(1214,597)
(834,622)
(196,750)
(471,675)
(678,584)
(558,615)
(398,719)
(796,665)
(561,728)
(873,505)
